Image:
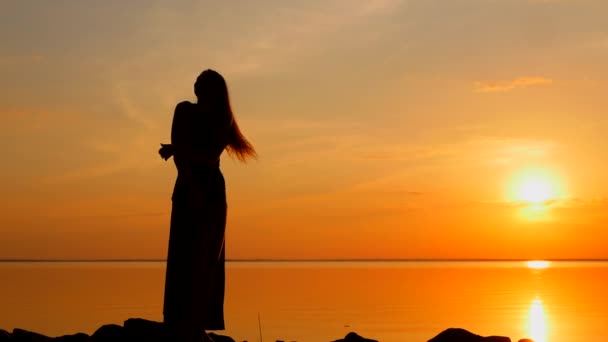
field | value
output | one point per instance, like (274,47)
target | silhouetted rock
(462,335)
(20,335)
(80,337)
(138,329)
(4,335)
(141,330)
(220,338)
(353,337)
(109,332)
(496,339)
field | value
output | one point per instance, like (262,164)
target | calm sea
(322,301)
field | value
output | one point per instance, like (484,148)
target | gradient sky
(385,128)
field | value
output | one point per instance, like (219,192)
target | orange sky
(385,128)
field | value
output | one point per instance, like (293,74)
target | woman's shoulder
(184,106)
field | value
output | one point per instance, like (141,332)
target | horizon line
(116,260)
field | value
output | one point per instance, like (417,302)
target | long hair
(211,86)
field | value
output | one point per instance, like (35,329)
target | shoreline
(142,330)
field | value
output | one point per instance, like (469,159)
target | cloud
(579,202)
(500,204)
(296,33)
(504,151)
(517,83)
(557,203)
(58,146)
(484,150)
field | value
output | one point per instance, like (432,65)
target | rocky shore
(141,330)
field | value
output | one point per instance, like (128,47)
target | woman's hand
(166,151)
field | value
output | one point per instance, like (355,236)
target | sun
(535,190)
(534,187)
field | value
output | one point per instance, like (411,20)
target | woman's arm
(166,151)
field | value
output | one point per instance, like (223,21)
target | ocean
(323,301)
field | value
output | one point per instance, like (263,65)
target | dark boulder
(496,339)
(220,338)
(456,335)
(462,335)
(5,336)
(110,332)
(80,337)
(353,337)
(20,335)
(138,329)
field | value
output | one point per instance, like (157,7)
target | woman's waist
(188,168)
(208,181)
(200,176)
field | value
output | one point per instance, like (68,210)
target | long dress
(195,276)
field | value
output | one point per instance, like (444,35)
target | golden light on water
(538,264)
(537,321)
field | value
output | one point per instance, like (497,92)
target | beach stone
(80,337)
(462,335)
(496,339)
(456,335)
(20,335)
(354,337)
(110,333)
(220,338)
(138,329)
(4,335)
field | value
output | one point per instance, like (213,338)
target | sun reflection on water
(537,319)
(538,264)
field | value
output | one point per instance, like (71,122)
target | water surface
(322,301)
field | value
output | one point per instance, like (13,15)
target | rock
(462,335)
(220,338)
(5,336)
(526,340)
(496,339)
(20,335)
(140,324)
(353,337)
(80,337)
(110,332)
(456,335)
(138,329)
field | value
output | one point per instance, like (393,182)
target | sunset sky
(385,128)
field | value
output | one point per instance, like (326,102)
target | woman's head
(212,93)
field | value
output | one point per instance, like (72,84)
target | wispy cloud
(554,203)
(517,83)
(484,150)
(495,150)
(296,33)
(580,202)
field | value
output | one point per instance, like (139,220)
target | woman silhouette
(194,284)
